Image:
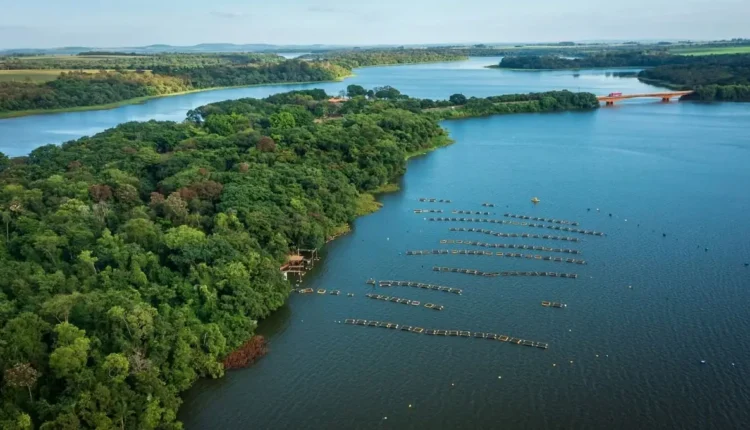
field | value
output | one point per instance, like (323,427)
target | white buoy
(703,361)
(410,405)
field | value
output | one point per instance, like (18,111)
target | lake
(19,136)
(664,290)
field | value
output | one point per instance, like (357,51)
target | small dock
(403,301)
(495,254)
(508,273)
(448,333)
(521,235)
(534,218)
(554,305)
(517,223)
(420,285)
(510,246)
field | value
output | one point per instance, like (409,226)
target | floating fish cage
(471,212)
(509,273)
(420,285)
(510,246)
(553,304)
(523,235)
(523,224)
(489,253)
(432,211)
(533,218)
(455,333)
(402,301)
(429,200)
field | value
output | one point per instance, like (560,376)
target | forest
(74,89)
(635,58)
(134,261)
(123,61)
(354,58)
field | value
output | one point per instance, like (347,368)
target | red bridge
(665,96)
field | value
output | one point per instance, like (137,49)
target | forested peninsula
(712,77)
(106,80)
(134,261)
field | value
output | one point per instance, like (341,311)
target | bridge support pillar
(665,99)
(609,103)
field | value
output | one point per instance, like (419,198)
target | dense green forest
(713,77)
(605,59)
(351,59)
(132,262)
(88,89)
(122,61)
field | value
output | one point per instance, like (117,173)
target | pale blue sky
(103,23)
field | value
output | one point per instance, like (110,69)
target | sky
(108,23)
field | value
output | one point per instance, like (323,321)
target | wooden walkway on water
(509,273)
(494,254)
(510,246)
(523,224)
(521,235)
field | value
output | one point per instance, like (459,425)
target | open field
(37,76)
(708,50)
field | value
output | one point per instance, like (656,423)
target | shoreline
(493,66)
(142,100)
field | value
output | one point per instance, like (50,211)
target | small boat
(535,200)
(321,291)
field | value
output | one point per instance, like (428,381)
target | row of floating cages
(553,304)
(521,235)
(498,254)
(471,212)
(534,218)
(523,224)
(454,333)
(430,211)
(319,291)
(404,301)
(420,285)
(430,200)
(510,246)
(488,205)
(508,273)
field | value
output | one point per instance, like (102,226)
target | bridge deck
(660,95)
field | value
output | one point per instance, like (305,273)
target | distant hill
(153,49)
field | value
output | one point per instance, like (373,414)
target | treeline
(713,77)
(134,261)
(351,59)
(85,89)
(120,61)
(77,89)
(606,59)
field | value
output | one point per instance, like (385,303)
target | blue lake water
(19,136)
(626,352)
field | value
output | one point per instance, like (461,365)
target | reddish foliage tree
(208,190)
(74,165)
(100,193)
(246,354)
(187,194)
(266,144)
(244,167)
(129,150)
(203,171)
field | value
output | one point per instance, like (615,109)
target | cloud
(227,14)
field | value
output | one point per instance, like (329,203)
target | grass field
(709,50)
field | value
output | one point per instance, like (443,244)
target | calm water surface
(19,136)
(619,357)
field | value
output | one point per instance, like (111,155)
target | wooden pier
(420,285)
(522,224)
(521,235)
(300,262)
(534,218)
(509,246)
(453,333)
(496,254)
(507,273)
